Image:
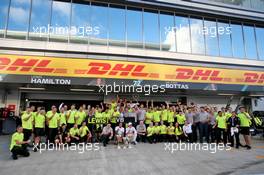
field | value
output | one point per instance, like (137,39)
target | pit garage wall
(10,97)
(257,104)
(218,101)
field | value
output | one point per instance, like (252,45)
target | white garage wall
(258,104)
(218,101)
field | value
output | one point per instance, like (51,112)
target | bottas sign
(70,67)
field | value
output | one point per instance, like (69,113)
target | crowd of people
(127,123)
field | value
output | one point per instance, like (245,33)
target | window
(40,18)
(80,24)
(134,28)
(258,4)
(197,36)
(237,40)
(4,4)
(18,19)
(224,34)
(182,34)
(59,30)
(250,42)
(167,32)
(260,41)
(151,30)
(211,37)
(99,19)
(117,33)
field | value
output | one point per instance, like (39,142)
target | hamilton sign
(44,80)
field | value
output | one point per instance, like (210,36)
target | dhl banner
(91,68)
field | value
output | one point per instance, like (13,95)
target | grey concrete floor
(141,159)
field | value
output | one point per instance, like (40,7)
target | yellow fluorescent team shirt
(170,116)
(74,132)
(164,115)
(156,116)
(156,129)
(181,119)
(150,131)
(39,121)
(16,137)
(106,116)
(244,120)
(178,131)
(63,119)
(80,117)
(163,129)
(83,131)
(27,124)
(221,122)
(115,116)
(113,105)
(171,130)
(149,117)
(53,120)
(71,118)
(228,115)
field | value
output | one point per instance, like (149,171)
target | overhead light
(226,94)
(256,95)
(31,88)
(82,90)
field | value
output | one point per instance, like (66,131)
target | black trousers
(141,138)
(236,135)
(52,134)
(163,138)
(171,138)
(221,132)
(195,127)
(203,132)
(20,150)
(212,133)
(69,126)
(27,134)
(190,137)
(105,139)
(74,140)
(150,139)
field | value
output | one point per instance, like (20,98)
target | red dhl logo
(124,70)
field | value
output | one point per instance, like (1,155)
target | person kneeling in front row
(75,134)
(17,146)
(107,134)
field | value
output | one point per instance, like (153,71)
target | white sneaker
(124,147)
(118,147)
(129,146)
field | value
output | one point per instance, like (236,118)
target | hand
(28,141)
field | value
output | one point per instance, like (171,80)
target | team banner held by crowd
(92,68)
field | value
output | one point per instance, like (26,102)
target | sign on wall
(90,68)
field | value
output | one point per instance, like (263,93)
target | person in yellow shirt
(171,114)
(156,135)
(71,117)
(179,133)
(63,120)
(17,145)
(245,122)
(163,132)
(85,134)
(75,134)
(148,117)
(164,113)
(150,132)
(181,118)
(27,123)
(80,116)
(39,126)
(221,125)
(171,133)
(53,123)
(114,118)
(156,115)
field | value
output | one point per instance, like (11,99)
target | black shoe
(14,157)
(237,147)
(35,149)
(248,147)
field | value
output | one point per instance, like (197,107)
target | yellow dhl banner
(71,67)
